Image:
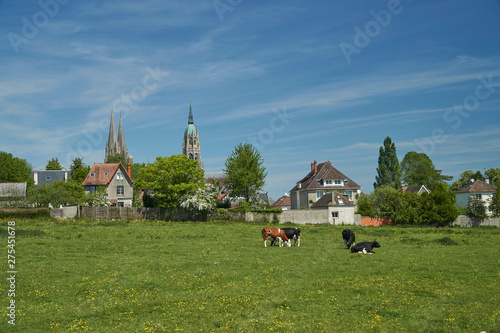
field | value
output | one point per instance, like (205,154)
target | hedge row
(24,213)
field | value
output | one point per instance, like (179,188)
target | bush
(24,213)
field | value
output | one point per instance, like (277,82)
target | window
(105,174)
(478,196)
(92,174)
(328,182)
(120,204)
(119,175)
(92,189)
(337,182)
(319,194)
(120,190)
(48,177)
(341,202)
(335,214)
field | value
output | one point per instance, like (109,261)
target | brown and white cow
(275,233)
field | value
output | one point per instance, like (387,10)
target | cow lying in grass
(275,233)
(365,247)
(349,238)
(291,233)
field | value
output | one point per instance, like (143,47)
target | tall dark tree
(388,170)
(418,169)
(53,164)
(79,170)
(244,171)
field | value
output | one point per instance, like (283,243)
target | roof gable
(477,187)
(104,173)
(325,171)
(283,201)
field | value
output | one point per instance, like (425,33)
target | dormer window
(333,182)
(92,174)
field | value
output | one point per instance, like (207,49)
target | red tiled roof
(283,201)
(477,186)
(314,180)
(103,173)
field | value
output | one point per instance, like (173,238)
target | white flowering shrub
(203,199)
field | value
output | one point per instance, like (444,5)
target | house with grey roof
(45,177)
(322,178)
(478,189)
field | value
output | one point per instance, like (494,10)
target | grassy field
(118,276)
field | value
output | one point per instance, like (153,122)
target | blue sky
(301,80)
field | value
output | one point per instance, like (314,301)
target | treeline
(437,207)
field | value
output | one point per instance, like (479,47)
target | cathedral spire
(111,143)
(190,119)
(191,143)
(121,147)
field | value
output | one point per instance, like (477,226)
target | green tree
(364,206)
(495,203)
(444,205)
(418,169)
(53,164)
(170,178)
(245,173)
(14,170)
(79,171)
(494,176)
(117,158)
(386,201)
(388,170)
(476,208)
(57,193)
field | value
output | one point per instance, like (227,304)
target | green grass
(118,276)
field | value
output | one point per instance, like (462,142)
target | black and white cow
(349,238)
(291,233)
(365,247)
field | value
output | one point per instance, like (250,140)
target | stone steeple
(191,143)
(116,145)
(122,148)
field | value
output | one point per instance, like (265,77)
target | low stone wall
(137,214)
(465,221)
(376,221)
(304,216)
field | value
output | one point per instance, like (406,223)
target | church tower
(191,143)
(116,145)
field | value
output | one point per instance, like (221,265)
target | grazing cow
(275,233)
(365,247)
(291,233)
(349,238)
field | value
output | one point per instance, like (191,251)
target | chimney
(312,166)
(128,170)
(315,166)
(487,180)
